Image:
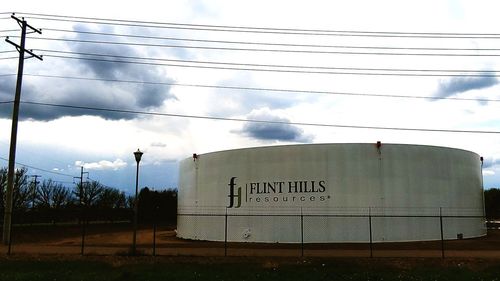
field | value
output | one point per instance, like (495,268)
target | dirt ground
(116,239)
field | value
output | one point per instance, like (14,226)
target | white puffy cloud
(103,165)
(488,173)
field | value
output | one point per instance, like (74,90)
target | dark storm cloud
(96,94)
(7,93)
(60,92)
(79,97)
(459,85)
(273,132)
(7,87)
(147,95)
(101,69)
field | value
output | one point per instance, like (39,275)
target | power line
(262,50)
(101,183)
(269,43)
(8,58)
(270,65)
(249,29)
(4,52)
(256,120)
(265,89)
(37,168)
(63,182)
(5,102)
(276,70)
(174,26)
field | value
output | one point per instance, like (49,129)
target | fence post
(225,234)
(370,228)
(301,232)
(441,227)
(83,231)
(154,230)
(10,239)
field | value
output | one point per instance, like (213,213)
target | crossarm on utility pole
(26,51)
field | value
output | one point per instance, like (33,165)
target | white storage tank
(319,193)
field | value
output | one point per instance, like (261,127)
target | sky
(301,81)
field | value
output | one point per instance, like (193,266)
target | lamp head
(138,155)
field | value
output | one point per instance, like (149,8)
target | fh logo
(232,195)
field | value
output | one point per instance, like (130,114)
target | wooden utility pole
(35,189)
(7,222)
(83,205)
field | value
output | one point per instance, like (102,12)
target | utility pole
(80,189)
(82,220)
(35,182)
(7,222)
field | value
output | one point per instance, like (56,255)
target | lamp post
(138,155)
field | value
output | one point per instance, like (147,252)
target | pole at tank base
(441,226)
(301,232)
(370,228)
(225,234)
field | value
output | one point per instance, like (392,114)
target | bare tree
(61,196)
(21,189)
(129,202)
(52,195)
(111,198)
(44,194)
(88,193)
(3,186)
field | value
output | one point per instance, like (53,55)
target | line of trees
(49,194)
(52,201)
(492,203)
(157,206)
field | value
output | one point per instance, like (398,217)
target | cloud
(491,166)
(243,101)
(491,162)
(273,132)
(459,85)
(147,95)
(487,173)
(85,93)
(103,165)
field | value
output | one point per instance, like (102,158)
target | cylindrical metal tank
(331,193)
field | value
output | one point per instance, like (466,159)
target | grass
(185,268)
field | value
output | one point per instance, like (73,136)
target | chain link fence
(343,232)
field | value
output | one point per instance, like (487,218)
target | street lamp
(138,155)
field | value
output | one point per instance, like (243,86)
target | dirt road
(114,239)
